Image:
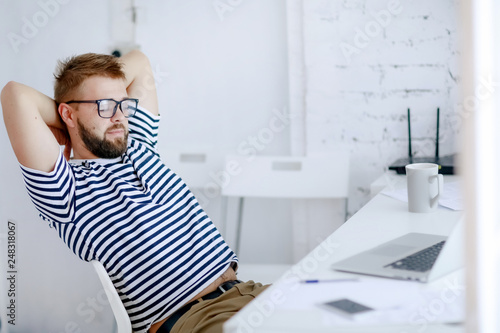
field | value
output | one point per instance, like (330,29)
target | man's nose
(118,116)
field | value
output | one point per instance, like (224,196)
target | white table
(381,219)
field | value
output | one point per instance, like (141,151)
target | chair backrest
(121,316)
(320,176)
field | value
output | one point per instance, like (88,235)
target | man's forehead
(97,87)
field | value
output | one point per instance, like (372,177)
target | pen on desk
(329,280)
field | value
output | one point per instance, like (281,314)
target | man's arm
(33,125)
(140,80)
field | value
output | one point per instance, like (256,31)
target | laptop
(413,256)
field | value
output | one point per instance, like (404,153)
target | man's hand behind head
(63,139)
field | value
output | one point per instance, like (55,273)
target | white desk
(381,219)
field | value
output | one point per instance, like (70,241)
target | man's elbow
(138,59)
(7,90)
(136,53)
(6,96)
(10,92)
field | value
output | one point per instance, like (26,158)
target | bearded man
(115,201)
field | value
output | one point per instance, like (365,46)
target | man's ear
(67,115)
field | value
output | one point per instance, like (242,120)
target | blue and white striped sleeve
(53,193)
(143,127)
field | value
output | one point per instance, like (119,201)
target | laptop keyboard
(421,261)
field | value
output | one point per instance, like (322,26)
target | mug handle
(434,201)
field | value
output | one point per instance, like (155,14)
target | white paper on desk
(450,198)
(395,302)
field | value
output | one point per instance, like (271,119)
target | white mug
(425,186)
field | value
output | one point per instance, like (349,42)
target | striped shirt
(139,219)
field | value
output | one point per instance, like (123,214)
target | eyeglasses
(106,108)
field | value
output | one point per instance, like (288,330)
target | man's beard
(104,148)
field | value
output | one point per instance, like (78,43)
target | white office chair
(123,323)
(311,177)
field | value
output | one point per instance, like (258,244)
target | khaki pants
(209,316)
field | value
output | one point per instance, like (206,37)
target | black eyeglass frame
(98,102)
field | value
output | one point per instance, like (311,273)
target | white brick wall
(408,60)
